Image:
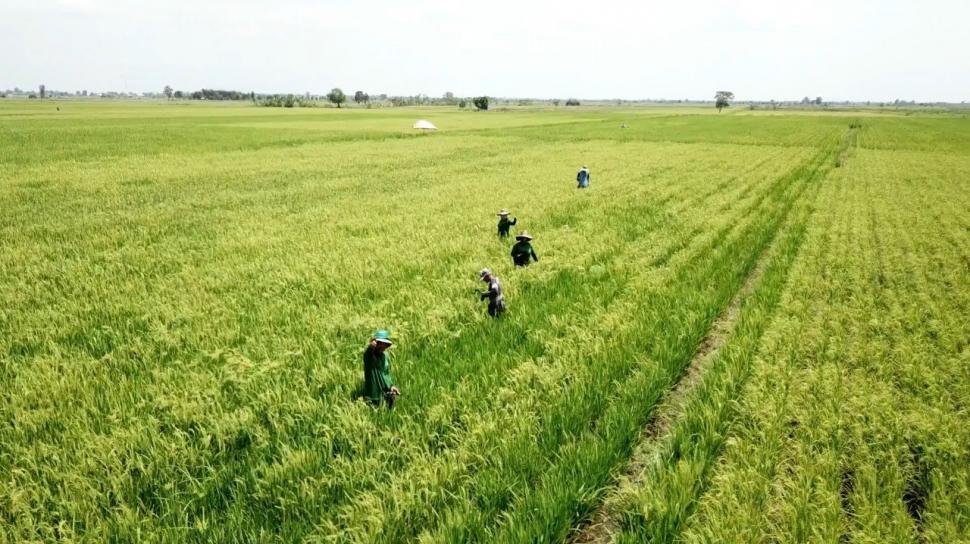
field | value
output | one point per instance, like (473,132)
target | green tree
(361,96)
(43,91)
(167,91)
(722,99)
(336,96)
(481,103)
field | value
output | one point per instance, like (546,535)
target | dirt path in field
(602,524)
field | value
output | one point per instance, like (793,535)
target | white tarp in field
(424,124)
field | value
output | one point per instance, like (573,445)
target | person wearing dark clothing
(583,178)
(504,224)
(522,250)
(378,382)
(496,300)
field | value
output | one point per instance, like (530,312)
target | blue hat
(383,336)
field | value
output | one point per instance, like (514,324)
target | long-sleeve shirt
(503,226)
(583,178)
(494,293)
(521,252)
(496,300)
(377,375)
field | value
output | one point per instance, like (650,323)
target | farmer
(378,383)
(496,300)
(522,250)
(504,224)
(582,178)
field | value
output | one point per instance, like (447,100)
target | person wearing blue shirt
(582,178)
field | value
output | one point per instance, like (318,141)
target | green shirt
(377,375)
(521,252)
(504,224)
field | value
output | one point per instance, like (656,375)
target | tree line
(337,97)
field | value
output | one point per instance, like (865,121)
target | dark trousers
(388,399)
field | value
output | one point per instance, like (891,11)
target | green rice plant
(842,427)
(186,291)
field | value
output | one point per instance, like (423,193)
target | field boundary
(602,524)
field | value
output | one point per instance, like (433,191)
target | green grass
(186,291)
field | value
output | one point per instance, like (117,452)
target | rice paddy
(752,327)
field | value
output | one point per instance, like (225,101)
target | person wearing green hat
(504,224)
(522,250)
(378,382)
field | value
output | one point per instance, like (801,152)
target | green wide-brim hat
(383,337)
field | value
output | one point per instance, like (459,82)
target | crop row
(853,424)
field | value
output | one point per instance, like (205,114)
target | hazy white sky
(760,49)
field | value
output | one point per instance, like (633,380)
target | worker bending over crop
(522,250)
(583,178)
(496,300)
(504,224)
(378,383)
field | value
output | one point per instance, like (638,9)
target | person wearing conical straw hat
(583,178)
(378,382)
(504,224)
(496,300)
(522,250)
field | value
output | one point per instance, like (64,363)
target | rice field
(752,327)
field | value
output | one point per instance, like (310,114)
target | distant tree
(722,99)
(359,97)
(572,102)
(449,98)
(806,100)
(555,102)
(43,91)
(481,103)
(167,91)
(179,95)
(252,96)
(336,96)
(462,103)
(818,100)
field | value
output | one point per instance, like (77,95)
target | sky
(877,50)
